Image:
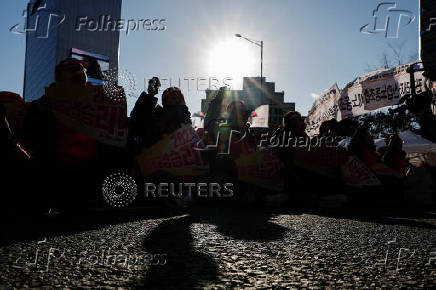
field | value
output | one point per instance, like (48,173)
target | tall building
(427,34)
(53,34)
(251,94)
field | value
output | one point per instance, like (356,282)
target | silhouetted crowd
(47,164)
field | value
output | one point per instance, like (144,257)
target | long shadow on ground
(188,268)
(184,268)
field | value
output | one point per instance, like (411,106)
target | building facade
(255,92)
(52,35)
(428,35)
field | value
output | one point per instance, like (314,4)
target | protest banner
(91,111)
(261,168)
(323,109)
(175,154)
(376,90)
(382,169)
(259,118)
(356,174)
(322,160)
(369,92)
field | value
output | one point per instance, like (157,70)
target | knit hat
(173,96)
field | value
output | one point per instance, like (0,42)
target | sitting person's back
(394,156)
(173,114)
(48,138)
(362,145)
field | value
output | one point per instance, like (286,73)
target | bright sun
(233,58)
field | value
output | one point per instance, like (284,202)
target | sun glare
(233,58)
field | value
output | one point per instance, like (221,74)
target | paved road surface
(212,247)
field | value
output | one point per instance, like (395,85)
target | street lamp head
(238,35)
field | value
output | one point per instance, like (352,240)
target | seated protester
(328,128)
(234,130)
(141,117)
(11,151)
(50,140)
(294,128)
(324,129)
(15,163)
(346,127)
(214,114)
(6,137)
(382,150)
(173,114)
(333,127)
(292,125)
(289,125)
(233,138)
(62,153)
(394,156)
(296,125)
(362,145)
(297,175)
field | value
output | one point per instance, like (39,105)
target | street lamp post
(258,43)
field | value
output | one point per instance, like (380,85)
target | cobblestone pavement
(211,247)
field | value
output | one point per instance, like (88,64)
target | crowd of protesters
(54,164)
(49,157)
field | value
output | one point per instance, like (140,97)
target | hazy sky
(308,44)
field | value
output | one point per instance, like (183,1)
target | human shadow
(184,266)
(241,223)
(190,268)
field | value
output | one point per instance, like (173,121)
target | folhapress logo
(106,23)
(387,19)
(44,21)
(431,24)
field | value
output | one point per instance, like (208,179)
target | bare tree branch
(397,52)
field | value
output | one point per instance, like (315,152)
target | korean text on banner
(92,112)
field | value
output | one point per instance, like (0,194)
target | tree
(384,123)
(395,56)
